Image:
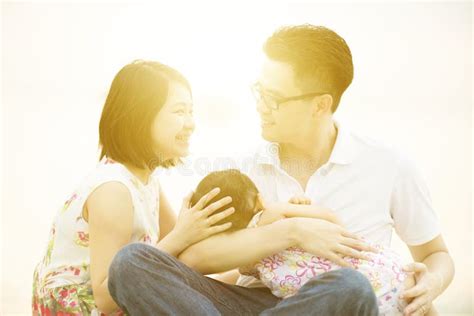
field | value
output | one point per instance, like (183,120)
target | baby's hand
(300,199)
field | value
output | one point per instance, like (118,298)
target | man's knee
(120,264)
(128,258)
(346,282)
(343,292)
(355,283)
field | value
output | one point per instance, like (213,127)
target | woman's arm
(167,222)
(110,216)
(167,218)
(228,251)
(194,223)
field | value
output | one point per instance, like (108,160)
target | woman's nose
(189,123)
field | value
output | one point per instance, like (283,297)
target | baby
(284,273)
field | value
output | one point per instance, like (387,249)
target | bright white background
(412,88)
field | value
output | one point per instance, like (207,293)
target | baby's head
(239,187)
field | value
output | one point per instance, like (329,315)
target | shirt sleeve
(415,220)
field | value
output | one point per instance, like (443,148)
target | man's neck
(313,151)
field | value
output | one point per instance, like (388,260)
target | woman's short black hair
(137,94)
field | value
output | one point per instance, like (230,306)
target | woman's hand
(195,223)
(329,240)
(422,294)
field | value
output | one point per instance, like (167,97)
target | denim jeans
(146,281)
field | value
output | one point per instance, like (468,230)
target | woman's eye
(180,112)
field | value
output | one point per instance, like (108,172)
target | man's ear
(322,105)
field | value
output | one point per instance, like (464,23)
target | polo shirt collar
(343,152)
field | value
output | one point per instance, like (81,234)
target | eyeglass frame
(260,95)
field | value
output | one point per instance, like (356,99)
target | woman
(146,122)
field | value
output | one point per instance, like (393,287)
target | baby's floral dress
(61,280)
(285,272)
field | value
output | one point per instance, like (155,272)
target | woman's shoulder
(107,171)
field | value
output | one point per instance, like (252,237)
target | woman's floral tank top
(62,280)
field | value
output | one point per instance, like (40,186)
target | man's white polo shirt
(371,187)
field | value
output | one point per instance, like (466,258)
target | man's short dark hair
(235,184)
(137,94)
(320,58)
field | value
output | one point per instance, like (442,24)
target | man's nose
(263,108)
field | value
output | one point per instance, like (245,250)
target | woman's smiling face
(174,124)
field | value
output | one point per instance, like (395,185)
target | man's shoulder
(373,144)
(372,149)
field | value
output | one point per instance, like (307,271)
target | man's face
(293,120)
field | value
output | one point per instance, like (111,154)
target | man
(369,186)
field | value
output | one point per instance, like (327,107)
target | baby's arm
(312,211)
(297,207)
(269,216)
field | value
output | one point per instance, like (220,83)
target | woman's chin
(181,153)
(175,153)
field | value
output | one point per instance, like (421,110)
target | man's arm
(417,224)
(434,271)
(229,277)
(227,251)
(434,254)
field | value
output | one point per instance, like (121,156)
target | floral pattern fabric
(61,281)
(284,273)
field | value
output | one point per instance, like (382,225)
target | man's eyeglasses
(273,102)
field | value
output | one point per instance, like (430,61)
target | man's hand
(329,240)
(427,288)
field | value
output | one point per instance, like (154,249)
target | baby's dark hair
(235,184)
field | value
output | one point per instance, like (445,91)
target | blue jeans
(146,281)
